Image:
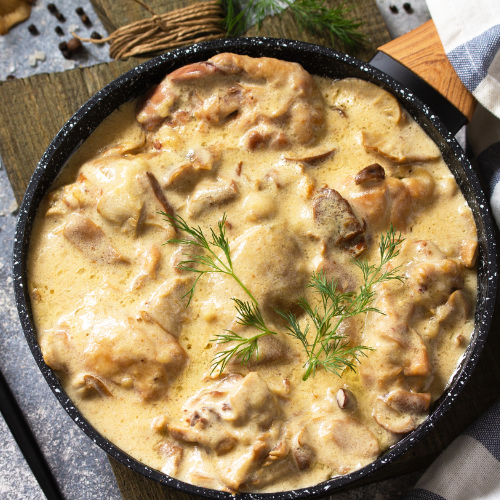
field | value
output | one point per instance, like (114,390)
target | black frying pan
(317,60)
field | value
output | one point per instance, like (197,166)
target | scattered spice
(63,47)
(407,7)
(85,20)
(394,9)
(60,17)
(79,11)
(74,45)
(10,77)
(52,8)
(95,36)
(33,29)
(59,30)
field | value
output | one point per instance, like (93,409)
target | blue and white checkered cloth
(469,469)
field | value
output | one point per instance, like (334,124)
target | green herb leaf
(328,349)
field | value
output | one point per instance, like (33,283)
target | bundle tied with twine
(196,23)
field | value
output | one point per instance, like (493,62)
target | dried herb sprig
(311,15)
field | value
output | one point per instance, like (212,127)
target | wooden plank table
(40,105)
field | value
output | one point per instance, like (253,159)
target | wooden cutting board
(37,108)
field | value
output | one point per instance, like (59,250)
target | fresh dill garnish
(249,313)
(329,349)
(311,15)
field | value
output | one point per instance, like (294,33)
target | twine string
(192,24)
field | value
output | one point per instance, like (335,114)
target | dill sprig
(311,15)
(329,349)
(249,313)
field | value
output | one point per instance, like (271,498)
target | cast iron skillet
(317,60)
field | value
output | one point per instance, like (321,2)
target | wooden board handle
(422,52)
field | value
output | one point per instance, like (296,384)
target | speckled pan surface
(317,60)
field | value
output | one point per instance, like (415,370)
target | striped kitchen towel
(469,469)
(470,32)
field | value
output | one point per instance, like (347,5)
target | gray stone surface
(19,45)
(81,468)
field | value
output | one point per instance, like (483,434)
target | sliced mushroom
(402,411)
(88,385)
(311,156)
(199,160)
(160,195)
(167,306)
(149,260)
(209,194)
(172,453)
(402,145)
(91,240)
(374,172)
(372,96)
(468,253)
(335,220)
(457,308)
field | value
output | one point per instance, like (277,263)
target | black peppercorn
(407,7)
(63,46)
(11,77)
(59,30)
(79,11)
(95,35)
(33,29)
(60,17)
(66,54)
(394,9)
(85,20)
(52,8)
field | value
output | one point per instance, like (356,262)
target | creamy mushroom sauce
(310,173)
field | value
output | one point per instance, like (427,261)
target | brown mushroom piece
(312,156)
(401,411)
(343,444)
(374,172)
(149,260)
(335,221)
(211,194)
(200,161)
(172,454)
(91,240)
(167,306)
(401,145)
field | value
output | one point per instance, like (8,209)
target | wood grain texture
(421,51)
(38,107)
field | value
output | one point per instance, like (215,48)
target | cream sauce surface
(310,173)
